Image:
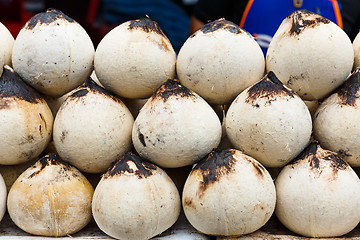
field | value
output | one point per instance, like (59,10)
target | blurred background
(100,16)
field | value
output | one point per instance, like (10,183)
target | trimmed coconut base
(272,230)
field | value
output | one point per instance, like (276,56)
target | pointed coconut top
(317,158)
(349,92)
(91,86)
(172,89)
(221,24)
(302,19)
(146,24)
(53,159)
(12,86)
(46,18)
(131,165)
(269,88)
(218,163)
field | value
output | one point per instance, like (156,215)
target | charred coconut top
(302,19)
(11,85)
(91,86)
(133,164)
(349,91)
(51,15)
(52,159)
(147,25)
(171,88)
(221,24)
(315,155)
(269,88)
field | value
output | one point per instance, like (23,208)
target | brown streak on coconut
(171,88)
(12,86)
(349,91)
(260,170)
(188,202)
(143,169)
(146,24)
(217,163)
(302,19)
(51,15)
(269,87)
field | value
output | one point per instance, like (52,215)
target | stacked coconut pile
(151,144)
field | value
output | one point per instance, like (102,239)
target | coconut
(219,61)
(25,119)
(269,122)
(53,53)
(316,191)
(356,47)
(310,54)
(3,195)
(51,198)
(6,45)
(135,58)
(92,128)
(176,127)
(228,194)
(335,122)
(135,200)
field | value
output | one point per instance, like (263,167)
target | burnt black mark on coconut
(221,24)
(141,138)
(143,169)
(349,91)
(91,86)
(300,21)
(171,88)
(217,163)
(269,88)
(51,15)
(52,159)
(314,154)
(12,86)
(146,24)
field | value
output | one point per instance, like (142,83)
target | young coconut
(6,45)
(25,118)
(92,128)
(356,47)
(176,127)
(53,53)
(219,61)
(310,54)
(315,192)
(228,194)
(135,200)
(269,122)
(3,195)
(134,59)
(336,121)
(51,198)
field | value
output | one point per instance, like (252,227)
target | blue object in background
(172,19)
